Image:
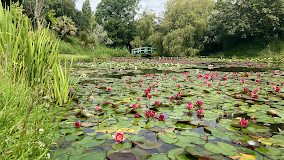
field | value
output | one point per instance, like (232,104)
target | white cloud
(156,5)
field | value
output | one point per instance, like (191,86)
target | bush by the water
(73,47)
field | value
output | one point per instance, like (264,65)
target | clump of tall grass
(26,122)
(28,64)
(26,52)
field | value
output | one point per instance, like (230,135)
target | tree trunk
(65,37)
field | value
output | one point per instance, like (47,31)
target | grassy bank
(73,48)
(26,122)
(30,77)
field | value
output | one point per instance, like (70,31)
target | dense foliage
(185,28)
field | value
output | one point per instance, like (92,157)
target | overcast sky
(156,5)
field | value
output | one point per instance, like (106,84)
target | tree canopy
(117,17)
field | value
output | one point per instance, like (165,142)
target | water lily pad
(201,153)
(90,143)
(242,156)
(71,137)
(156,157)
(121,146)
(138,152)
(119,155)
(94,156)
(221,135)
(172,154)
(167,139)
(146,144)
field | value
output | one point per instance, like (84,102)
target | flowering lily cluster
(150,114)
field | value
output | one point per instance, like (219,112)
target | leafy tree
(247,18)
(87,16)
(183,28)
(145,28)
(118,16)
(8,2)
(36,9)
(101,35)
(64,25)
(63,8)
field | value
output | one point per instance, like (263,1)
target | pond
(131,108)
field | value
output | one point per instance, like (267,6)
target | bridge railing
(143,51)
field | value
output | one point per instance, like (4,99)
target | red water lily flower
(77,124)
(172,97)
(138,99)
(137,115)
(199,103)
(243,80)
(161,117)
(150,114)
(178,85)
(109,89)
(156,103)
(119,137)
(150,96)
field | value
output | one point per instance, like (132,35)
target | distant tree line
(184,29)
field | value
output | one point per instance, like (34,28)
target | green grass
(26,122)
(73,48)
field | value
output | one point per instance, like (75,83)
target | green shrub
(155,54)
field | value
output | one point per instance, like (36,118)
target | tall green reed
(28,62)
(26,52)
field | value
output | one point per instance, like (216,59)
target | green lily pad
(121,146)
(201,153)
(172,154)
(146,144)
(91,143)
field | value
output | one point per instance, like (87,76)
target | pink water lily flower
(109,89)
(172,97)
(108,102)
(239,96)
(137,115)
(200,111)
(97,108)
(161,117)
(174,79)
(243,80)
(199,103)
(178,95)
(138,99)
(134,106)
(189,106)
(243,122)
(150,96)
(119,137)
(178,85)
(210,66)
(276,72)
